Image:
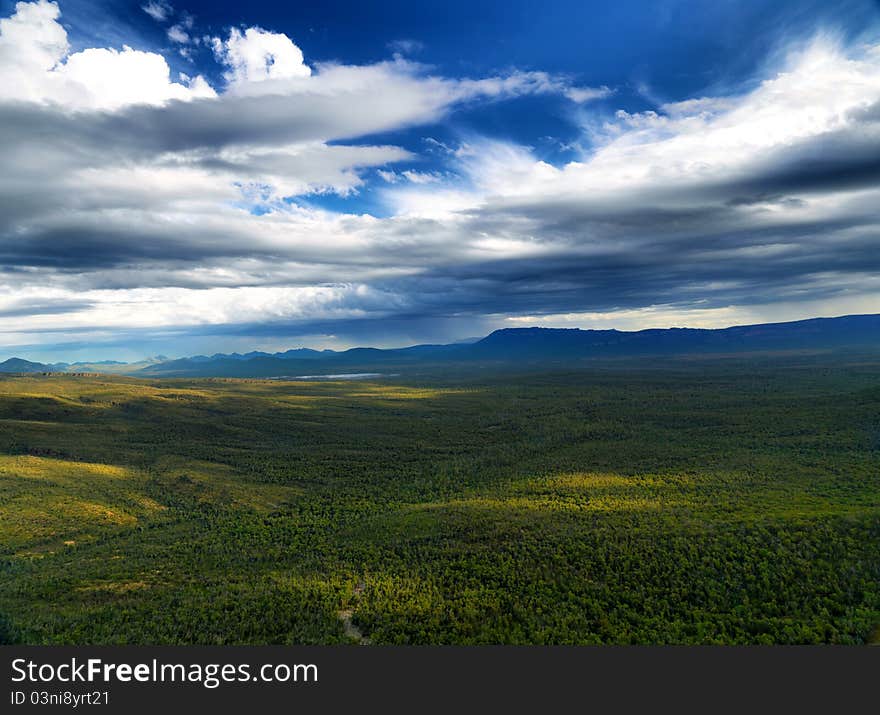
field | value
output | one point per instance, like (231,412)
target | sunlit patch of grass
(182,394)
(58,470)
(89,511)
(46,502)
(214,482)
(574,492)
(56,519)
(113,587)
(93,393)
(549,503)
(586,480)
(9,423)
(299,402)
(400,392)
(692,501)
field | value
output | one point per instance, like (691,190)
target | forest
(706,500)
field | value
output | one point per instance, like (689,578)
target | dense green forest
(702,501)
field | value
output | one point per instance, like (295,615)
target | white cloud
(35,66)
(158,307)
(109,79)
(31,41)
(177,34)
(580,95)
(299,169)
(415,177)
(694,142)
(519,83)
(256,55)
(814,95)
(389,177)
(159,10)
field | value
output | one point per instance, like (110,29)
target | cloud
(256,55)
(177,34)
(415,177)
(135,203)
(35,66)
(159,10)
(158,307)
(406,47)
(581,95)
(519,83)
(31,40)
(762,198)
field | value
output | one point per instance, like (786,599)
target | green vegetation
(715,501)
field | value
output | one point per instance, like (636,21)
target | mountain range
(509,346)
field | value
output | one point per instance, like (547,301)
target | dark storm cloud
(841,160)
(660,274)
(76,249)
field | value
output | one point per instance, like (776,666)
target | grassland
(716,501)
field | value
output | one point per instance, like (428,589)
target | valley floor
(727,501)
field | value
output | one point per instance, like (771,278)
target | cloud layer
(133,201)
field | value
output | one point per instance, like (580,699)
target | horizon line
(415,345)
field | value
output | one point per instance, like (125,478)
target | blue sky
(196,177)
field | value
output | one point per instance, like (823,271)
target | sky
(199,177)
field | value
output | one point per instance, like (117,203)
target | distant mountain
(19,365)
(547,345)
(296,353)
(553,343)
(510,346)
(299,362)
(113,367)
(98,362)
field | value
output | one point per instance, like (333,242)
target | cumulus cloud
(256,55)
(131,201)
(31,40)
(36,66)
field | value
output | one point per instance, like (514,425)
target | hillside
(816,333)
(18,365)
